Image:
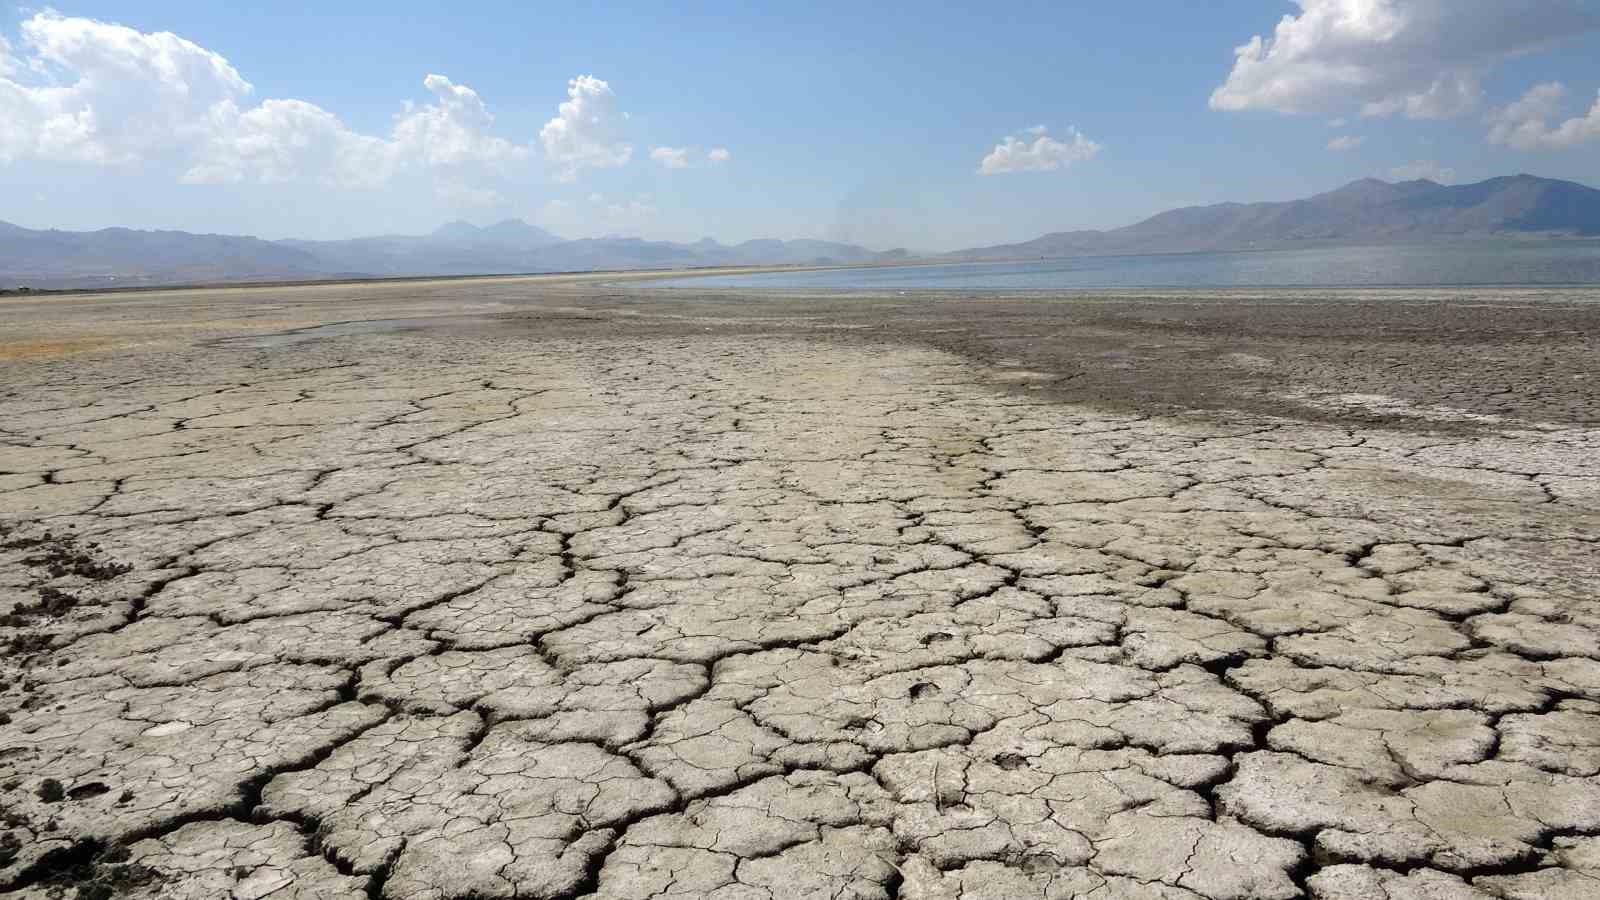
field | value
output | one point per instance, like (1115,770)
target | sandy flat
(545,588)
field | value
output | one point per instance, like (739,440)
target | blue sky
(884,124)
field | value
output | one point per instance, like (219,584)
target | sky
(885,124)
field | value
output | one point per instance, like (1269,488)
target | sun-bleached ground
(594,591)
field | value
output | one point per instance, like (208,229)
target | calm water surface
(1409,265)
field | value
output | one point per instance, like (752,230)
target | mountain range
(1362,212)
(120,257)
(1368,211)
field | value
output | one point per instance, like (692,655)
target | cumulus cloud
(1346,142)
(1042,154)
(1423,168)
(1525,124)
(286,140)
(719,155)
(671,157)
(586,130)
(102,93)
(1422,58)
(105,93)
(289,140)
(454,130)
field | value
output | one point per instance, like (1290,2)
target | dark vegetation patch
(50,555)
(61,554)
(10,846)
(52,603)
(90,873)
(27,643)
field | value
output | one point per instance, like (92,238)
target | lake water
(1409,265)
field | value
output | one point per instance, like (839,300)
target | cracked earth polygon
(467,616)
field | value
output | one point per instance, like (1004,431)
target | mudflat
(557,588)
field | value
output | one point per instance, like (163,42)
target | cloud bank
(1041,154)
(85,91)
(1421,58)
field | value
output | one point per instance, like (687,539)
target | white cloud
(1423,58)
(1043,154)
(1346,142)
(1423,168)
(719,155)
(1338,123)
(1525,124)
(453,131)
(288,140)
(585,132)
(671,157)
(106,94)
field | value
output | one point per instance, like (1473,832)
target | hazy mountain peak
(519,232)
(513,226)
(510,232)
(1364,188)
(458,230)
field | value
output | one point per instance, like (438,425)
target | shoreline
(937,261)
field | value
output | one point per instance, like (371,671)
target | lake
(1398,265)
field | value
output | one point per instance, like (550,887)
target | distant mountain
(457,231)
(119,256)
(1366,211)
(510,233)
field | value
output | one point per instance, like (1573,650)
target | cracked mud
(583,603)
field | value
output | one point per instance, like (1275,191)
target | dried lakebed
(460,613)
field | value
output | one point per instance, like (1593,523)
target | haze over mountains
(1366,211)
(122,257)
